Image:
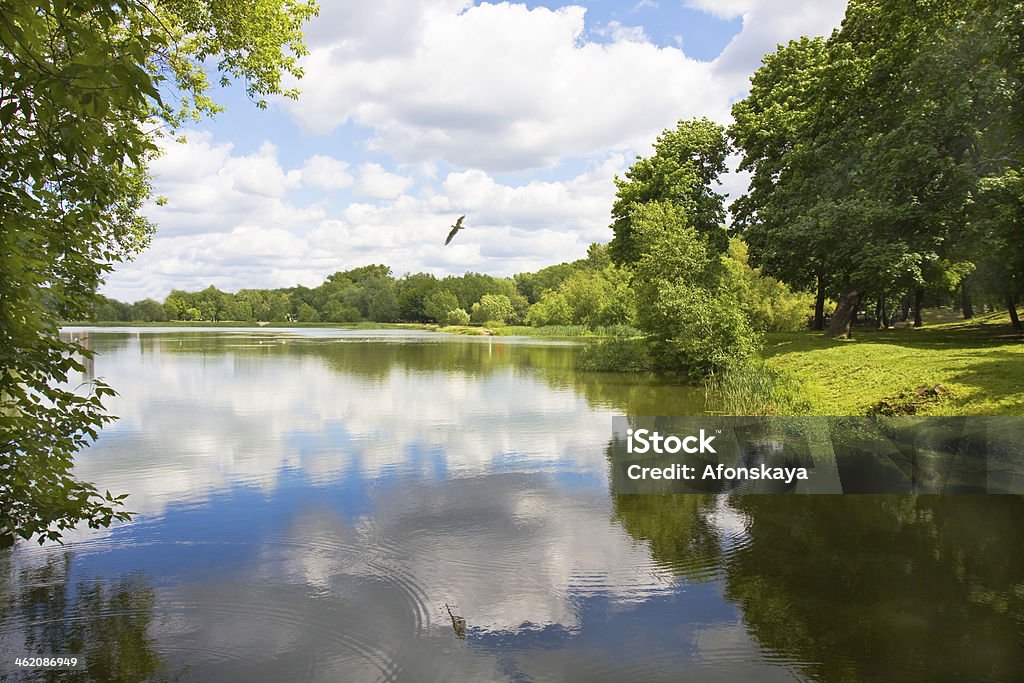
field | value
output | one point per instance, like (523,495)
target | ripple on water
(288,628)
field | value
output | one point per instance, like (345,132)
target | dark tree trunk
(881,319)
(1011,306)
(819,306)
(905,304)
(842,319)
(965,300)
(918,302)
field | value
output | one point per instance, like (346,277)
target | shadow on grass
(965,337)
(999,376)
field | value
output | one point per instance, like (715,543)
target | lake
(352,505)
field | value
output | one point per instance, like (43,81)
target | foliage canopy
(87,91)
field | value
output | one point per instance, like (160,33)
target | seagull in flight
(455,229)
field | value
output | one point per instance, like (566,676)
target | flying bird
(455,229)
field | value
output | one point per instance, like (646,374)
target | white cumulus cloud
(449,96)
(377,183)
(325,173)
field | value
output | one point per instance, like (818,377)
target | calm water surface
(312,502)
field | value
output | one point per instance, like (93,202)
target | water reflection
(105,624)
(312,506)
(908,588)
(200,411)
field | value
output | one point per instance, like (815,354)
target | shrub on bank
(455,317)
(616,354)
(685,304)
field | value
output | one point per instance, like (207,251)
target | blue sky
(518,115)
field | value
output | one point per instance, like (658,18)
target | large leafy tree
(683,170)
(669,234)
(780,128)
(87,89)
(869,150)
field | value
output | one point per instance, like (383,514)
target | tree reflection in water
(107,625)
(859,588)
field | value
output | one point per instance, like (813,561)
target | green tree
(438,303)
(307,314)
(381,302)
(278,307)
(109,310)
(870,150)
(686,163)
(148,311)
(357,275)
(552,309)
(493,308)
(770,305)
(590,296)
(456,316)
(470,287)
(793,99)
(998,217)
(693,321)
(254,299)
(533,285)
(83,90)
(620,309)
(413,292)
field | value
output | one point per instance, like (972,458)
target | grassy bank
(980,363)
(567,331)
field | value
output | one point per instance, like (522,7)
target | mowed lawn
(981,363)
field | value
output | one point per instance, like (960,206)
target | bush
(552,309)
(770,305)
(693,321)
(700,332)
(456,316)
(493,307)
(616,354)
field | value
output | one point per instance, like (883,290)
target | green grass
(464,329)
(980,362)
(755,388)
(567,331)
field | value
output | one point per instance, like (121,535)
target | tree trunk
(1011,306)
(918,302)
(819,306)
(881,319)
(846,308)
(965,300)
(905,315)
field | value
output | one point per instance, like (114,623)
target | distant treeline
(373,293)
(590,291)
